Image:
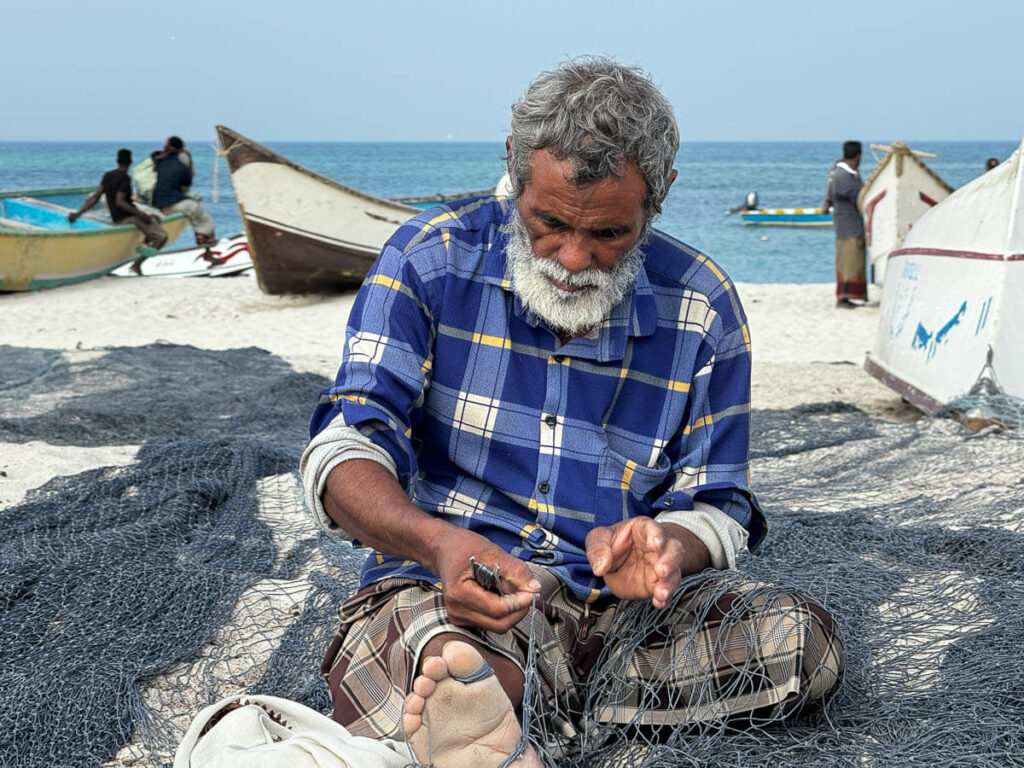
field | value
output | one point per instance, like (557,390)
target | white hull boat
(231,257)
(308,233)
(896,194)
(951,321)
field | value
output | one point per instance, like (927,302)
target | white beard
(571,312)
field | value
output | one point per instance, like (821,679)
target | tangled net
(132,596)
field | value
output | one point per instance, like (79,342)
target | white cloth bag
(269,732)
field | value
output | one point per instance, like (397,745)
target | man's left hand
(640,558)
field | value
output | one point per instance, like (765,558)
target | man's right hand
(365,499)
(467,602)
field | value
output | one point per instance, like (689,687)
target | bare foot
(466,724)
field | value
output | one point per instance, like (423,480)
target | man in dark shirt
(116,185)
(174,170)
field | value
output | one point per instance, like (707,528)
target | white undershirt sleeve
(335,444)
(721,534)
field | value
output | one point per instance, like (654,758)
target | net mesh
(131,596)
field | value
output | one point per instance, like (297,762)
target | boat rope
(218,153)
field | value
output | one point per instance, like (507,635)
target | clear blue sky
(417,70)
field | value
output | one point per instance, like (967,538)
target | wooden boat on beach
(308,233)
(951,320)
(787,217)
(39,248)
(896,194)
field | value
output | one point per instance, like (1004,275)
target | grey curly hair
(601,115)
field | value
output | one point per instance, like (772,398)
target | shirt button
(669,501)
(544,487)
(559,358)
(551,420)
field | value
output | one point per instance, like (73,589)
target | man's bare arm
(365,500)
(90,200)
(128,206)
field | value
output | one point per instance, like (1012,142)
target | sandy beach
(804,349)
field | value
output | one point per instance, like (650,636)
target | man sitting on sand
(117,186)
(545,385)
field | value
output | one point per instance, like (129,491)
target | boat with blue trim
(952,312)
(787,217)
(40,248)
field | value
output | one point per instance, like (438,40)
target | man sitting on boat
(841,192)
(174,173)
(116,185)
(545,401)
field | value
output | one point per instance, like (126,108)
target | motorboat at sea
(787,217)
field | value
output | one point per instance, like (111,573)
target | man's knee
(823,659)
(793,624)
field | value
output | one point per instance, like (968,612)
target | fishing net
(133,595)
(986,404)
(984,407)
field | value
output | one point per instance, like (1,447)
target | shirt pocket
(626,488)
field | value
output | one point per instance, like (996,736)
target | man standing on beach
(841,192)
(174,172)
(545,400)
(117,187)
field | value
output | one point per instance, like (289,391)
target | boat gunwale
(954,254)
(107,229)
(914,395)
(787,223)
(276,159)
(901,148)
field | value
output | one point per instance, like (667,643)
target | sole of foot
(455,724)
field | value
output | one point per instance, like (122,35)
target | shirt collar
(634,316)
(847,168)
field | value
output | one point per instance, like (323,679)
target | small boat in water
(951,321)
(896,194)
(787,217)
(39,248)
(230,256)
(308,233)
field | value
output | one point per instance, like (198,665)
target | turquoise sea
(713,177)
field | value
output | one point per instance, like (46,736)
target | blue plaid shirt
(496,426)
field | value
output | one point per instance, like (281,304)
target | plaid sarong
(851,282)
(726,646)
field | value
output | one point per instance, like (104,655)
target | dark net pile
(133,595)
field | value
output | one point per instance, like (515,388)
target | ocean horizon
(714,176)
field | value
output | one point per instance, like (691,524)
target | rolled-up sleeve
(380,386)
(710,452)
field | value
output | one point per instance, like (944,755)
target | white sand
(804,349)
